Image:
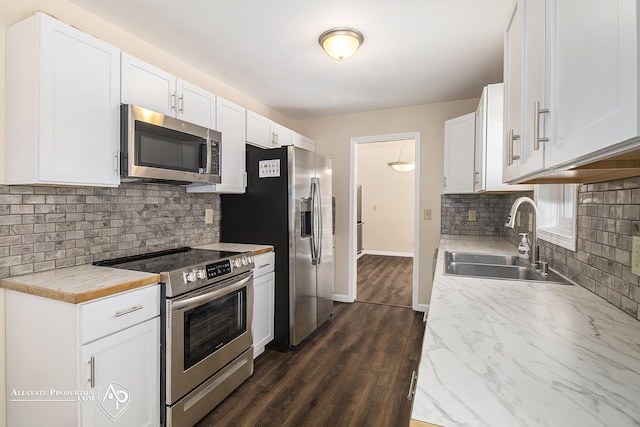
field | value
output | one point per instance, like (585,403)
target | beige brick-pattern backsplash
(44,228)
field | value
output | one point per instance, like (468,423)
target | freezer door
(324,265)
(302,273)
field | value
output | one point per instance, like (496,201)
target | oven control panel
(218,269)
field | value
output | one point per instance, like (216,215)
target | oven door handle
(196,301)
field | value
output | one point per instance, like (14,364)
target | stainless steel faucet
(534,235)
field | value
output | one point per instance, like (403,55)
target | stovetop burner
(184,269)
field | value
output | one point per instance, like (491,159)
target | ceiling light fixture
(402,165)
(341,43)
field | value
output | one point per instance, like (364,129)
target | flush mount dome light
(341,43)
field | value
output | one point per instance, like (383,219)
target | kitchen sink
(473,258)
(496,267)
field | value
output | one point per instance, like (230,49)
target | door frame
(353,184)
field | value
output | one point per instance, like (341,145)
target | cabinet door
(459,142)
(534,88)
(79,130)
(282,135)
(147,86)
(259,130)
(513,44)
(231,122)
(479,181)
(125,370)
(304,142)
(263,311)
(594,88)
(195,105)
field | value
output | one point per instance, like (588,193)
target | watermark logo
(113,399)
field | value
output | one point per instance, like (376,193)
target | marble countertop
(507,353)
(88,282)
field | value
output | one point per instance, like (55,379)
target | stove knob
(244,261)
(201,274)
(250,260)
(190,277)
(236,263)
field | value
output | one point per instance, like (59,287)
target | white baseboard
(342,298)
(385,253)
(423,308)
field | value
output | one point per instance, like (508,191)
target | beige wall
(387,198)
(332,135)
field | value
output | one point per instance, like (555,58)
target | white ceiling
(414,52)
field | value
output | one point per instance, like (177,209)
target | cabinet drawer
(108,315)
(264,263)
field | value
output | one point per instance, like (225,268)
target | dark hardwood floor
(353,371)
(385,280)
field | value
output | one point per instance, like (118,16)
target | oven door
(207,329)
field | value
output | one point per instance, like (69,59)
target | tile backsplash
(608,218)
(43,228)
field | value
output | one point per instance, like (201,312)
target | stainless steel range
(207,314)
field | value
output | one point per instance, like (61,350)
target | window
(557,211)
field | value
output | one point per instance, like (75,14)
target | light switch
(472,215)
(208,216)
(427,214)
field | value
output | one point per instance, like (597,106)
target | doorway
(356,144)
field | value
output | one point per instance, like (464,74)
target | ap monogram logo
(113,399)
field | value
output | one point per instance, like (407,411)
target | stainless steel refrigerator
(288,205)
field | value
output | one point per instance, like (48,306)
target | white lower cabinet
(263,301)
(89,364)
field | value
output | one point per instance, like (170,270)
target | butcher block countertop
(80,283)
(510,353)
(88,282)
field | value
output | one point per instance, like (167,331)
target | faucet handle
(543,267)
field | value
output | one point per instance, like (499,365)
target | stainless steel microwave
(160,148)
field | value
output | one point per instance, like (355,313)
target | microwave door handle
(205,155)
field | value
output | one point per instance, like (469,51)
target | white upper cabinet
(282,136)
(265,133)
(489,142)
(152,88)
(230,121)
(571,89)
(459,141)
(594,91)
(62,98)
(259,130)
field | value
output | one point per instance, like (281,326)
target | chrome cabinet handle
(173,100)
(116,168)
(92,372)
(181,99)
(536,125)
(129,310)
(477,178)
(511,137)
(412,390)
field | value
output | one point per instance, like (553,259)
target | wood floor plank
(385,279)
(354,371)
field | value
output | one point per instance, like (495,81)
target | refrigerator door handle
(316,236)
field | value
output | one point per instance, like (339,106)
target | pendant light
(341,43)
(402,165)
